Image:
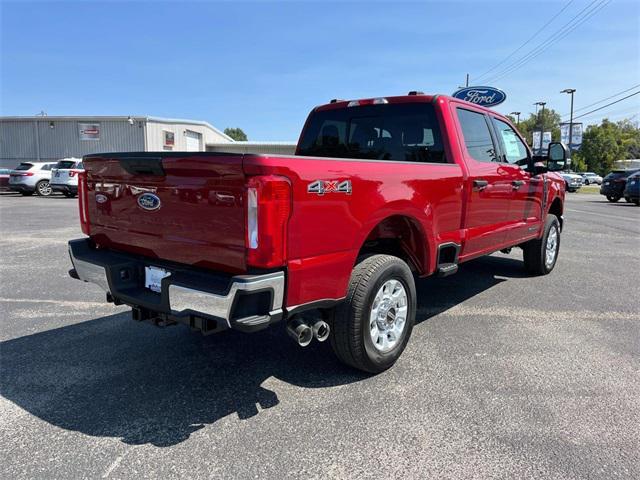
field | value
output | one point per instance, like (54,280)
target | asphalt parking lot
(506,376)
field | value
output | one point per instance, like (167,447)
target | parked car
(379,190)
(4,179)
(591,177)
(613,184)
(632,189)
(572,181)
(64,177)
(32,177)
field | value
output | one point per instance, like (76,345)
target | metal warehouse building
(44,138)
(47,138)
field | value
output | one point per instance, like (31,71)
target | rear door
(488,184)
(182,207)
(525,207)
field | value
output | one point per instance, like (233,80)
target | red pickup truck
(328,240)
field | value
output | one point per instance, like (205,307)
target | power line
(603,100)
(584,15)
(607,105)
(526,41)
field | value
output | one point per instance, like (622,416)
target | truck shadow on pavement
(113,377)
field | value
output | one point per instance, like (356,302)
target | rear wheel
(613,198)
(372,326)
(43,188)
(540,255)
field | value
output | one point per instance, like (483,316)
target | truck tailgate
(181,207)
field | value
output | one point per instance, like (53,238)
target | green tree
(236,133)
(603,144)
(533,124)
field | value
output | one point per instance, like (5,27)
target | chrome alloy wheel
(388,316)
(551,247)
(44,189)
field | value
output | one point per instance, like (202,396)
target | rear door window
(477,137)
(401,132)
(24,166)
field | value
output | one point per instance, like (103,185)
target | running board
(447,269)
(447,260)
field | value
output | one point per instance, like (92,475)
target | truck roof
(412,97)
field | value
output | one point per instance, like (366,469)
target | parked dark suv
(632,190)
(614,183)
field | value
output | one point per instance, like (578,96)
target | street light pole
(570,91)
(542,104)
(517,114)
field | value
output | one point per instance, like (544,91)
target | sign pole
(571,123)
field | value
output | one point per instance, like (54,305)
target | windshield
(403,132)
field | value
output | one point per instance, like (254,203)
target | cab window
(514,149)
(400,132)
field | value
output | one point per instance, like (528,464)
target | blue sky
(262,66)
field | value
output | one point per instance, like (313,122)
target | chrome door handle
(480,184)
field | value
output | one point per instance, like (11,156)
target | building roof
(136,118)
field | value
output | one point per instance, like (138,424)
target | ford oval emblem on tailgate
(149,201)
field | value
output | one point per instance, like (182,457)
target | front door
(525,208)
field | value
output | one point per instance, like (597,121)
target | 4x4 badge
(321,187)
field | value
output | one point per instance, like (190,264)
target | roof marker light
(353,103)
(378,101)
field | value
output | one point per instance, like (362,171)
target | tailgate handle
(143,166)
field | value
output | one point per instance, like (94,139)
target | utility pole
(570,91)
(517,114)
(542,104)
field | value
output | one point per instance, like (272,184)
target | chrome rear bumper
(242,302)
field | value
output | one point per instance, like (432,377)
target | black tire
(613,198)
(535,251)
(586,182)
(43,189)
(637,202)
(350,331)
(26,194)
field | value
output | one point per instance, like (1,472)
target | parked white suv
(32,177)
(64,177)
(591,177)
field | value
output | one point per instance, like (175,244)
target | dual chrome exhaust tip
(304,332)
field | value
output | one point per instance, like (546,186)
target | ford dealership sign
(484,96)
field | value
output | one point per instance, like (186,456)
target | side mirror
(557,157)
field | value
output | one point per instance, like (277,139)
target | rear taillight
(21,174)
(73,173)
(83,203)
(268,208)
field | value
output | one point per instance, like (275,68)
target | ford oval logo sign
(100,198)
(483,96)
(149,201)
